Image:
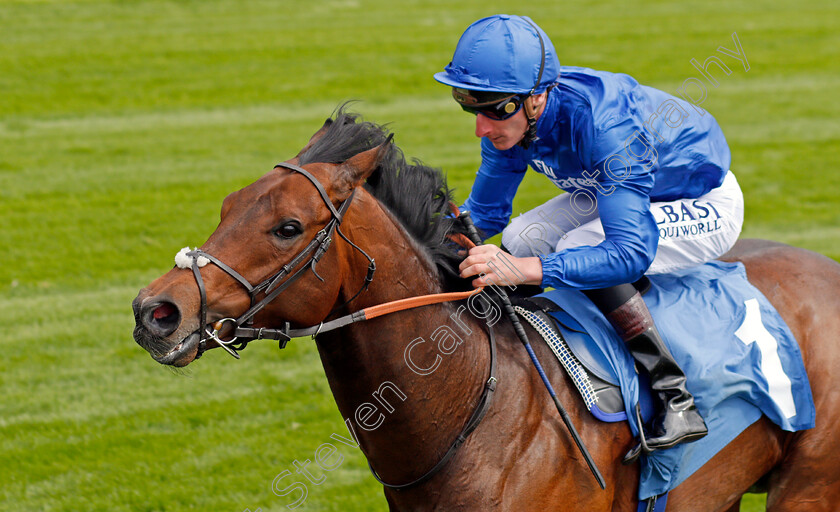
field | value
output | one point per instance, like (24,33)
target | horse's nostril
(163,311)
(162,318)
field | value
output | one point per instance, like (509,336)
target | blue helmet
(503,53)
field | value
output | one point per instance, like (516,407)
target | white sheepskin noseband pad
(184,261)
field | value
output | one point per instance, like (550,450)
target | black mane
(415,193)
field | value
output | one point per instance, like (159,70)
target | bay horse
(520,457)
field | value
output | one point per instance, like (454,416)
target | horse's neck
(404,405)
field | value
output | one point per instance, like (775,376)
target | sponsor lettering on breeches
(697,220)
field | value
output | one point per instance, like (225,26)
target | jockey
(647,179)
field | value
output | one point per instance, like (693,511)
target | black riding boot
(679,421)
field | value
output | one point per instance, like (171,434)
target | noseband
(274,285)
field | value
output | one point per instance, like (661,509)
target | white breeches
(691,231)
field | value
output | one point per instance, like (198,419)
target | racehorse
(520,456)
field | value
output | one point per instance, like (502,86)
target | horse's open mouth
(183,353)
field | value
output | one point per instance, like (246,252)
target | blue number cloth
(740,358)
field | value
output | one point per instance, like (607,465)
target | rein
(243,329)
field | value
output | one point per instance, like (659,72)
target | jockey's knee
(524,239)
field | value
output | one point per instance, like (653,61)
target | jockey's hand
(499,267)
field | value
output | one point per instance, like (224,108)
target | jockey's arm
(491,199)
(631,235)
(623,202)
(626,253)
(631,239)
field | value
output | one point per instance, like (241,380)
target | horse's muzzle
(155,321)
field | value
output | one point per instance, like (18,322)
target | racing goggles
(497,106)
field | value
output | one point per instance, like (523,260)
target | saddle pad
(739,357)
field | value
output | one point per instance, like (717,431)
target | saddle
(577,353)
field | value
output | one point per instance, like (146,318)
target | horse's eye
(288,230)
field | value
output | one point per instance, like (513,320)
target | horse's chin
(181,354)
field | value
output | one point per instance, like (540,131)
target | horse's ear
(354,171)
(312,140)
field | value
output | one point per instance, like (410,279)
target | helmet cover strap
(530,114)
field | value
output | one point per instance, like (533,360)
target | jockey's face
(507,133)
(503,134)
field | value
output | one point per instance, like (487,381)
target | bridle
(243,332)
(275,285)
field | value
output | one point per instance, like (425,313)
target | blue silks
(616,144)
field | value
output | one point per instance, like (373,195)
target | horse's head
(268,235)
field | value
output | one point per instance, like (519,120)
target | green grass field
(124,124)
